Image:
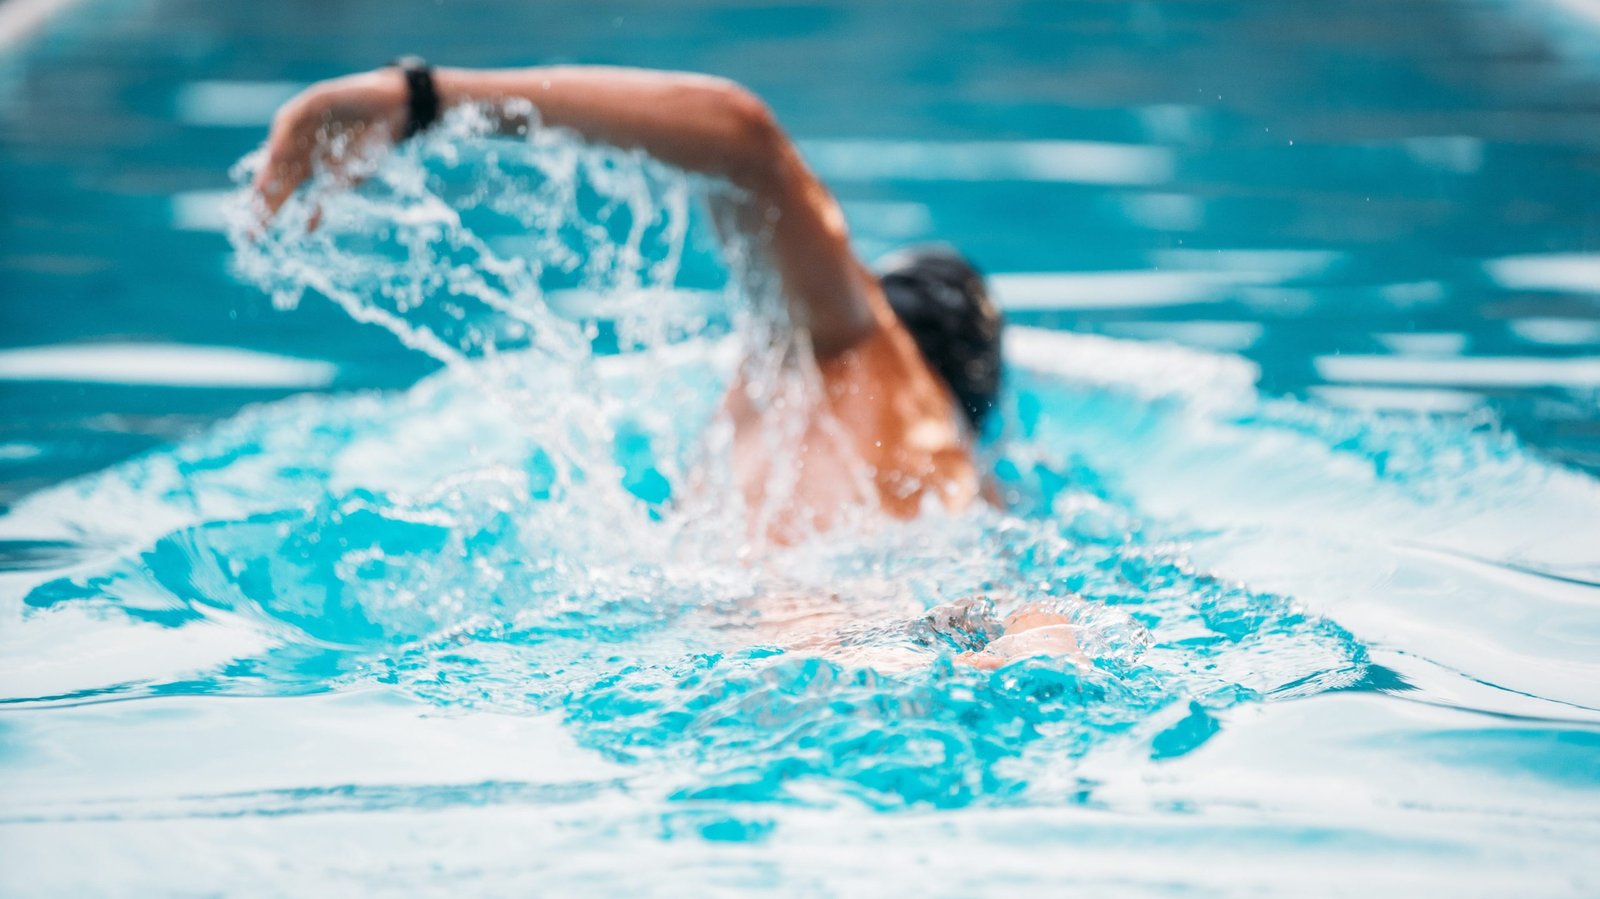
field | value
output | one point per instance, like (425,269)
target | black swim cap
(941,299)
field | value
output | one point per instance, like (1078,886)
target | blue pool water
(364,561)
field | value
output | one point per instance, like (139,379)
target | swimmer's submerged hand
(1033,630)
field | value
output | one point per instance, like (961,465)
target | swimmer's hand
(332,124)
(1033,630)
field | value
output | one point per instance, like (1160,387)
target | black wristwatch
(422,99)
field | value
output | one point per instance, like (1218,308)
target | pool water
(441,609)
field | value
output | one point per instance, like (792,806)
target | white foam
(162,365)
(384,741)
(85,651)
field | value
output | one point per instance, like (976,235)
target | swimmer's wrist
(422,102)
(455,87)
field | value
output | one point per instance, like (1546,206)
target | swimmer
(909,355)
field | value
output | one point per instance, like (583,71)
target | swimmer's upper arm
(836,297)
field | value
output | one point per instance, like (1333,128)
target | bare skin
(1033,630)
(885,413)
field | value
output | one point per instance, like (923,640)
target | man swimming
(909,358)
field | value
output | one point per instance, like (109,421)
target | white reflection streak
(1401,398)
(19,19)
(1111,290)
(1284,264)
(1069,161)
(1573,272)
(163,365)
(1483,371)
(1224,336)
(231,104)
(1556,331)
(1425,343)
(200,210)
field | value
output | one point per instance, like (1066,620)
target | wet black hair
(941,299)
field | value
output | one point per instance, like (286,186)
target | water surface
(452,618)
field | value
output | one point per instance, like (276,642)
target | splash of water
(513,533)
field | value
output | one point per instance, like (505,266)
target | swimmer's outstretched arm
(695,122)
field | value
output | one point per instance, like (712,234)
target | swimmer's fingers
(335,123)
(982,660)
(290,145)
(297,151)
(1034,615)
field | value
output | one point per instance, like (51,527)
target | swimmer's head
(941,299)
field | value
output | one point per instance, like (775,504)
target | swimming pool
(1330,542)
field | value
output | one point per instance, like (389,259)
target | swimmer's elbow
(759,146)
(756,124)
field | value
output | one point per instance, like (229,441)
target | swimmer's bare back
(886,414)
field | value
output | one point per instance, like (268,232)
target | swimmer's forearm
(698,123)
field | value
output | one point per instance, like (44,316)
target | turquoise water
(450,617)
